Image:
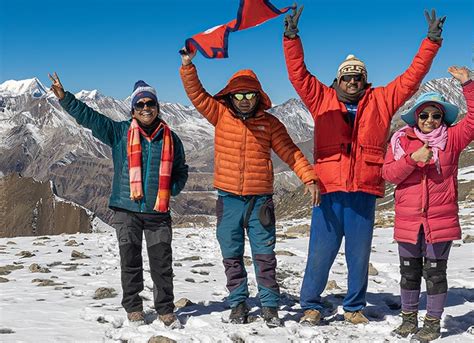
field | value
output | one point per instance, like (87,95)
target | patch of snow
(68,312)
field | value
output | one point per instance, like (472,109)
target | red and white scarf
(134,153)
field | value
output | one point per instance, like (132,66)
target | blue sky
(108,45)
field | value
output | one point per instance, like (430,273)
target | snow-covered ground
(66,310)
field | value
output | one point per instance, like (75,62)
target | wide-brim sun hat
(450,111)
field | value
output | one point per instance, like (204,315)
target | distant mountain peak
(33,86)
(90,95)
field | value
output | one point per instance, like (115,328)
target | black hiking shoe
(409,325)
(239,314)
(430,331)
(270,316)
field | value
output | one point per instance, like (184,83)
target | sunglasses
(241,96)
(435,116)
(356,78)
(141,105)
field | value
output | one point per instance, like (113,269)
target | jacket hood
(245,80)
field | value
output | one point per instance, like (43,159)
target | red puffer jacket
(347,159)
(242,155)
(424,196)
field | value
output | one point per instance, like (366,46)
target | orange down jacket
(242,154)
(347,159)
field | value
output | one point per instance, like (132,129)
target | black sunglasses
(425,115)
(141,105)
(356,78)
(241,96)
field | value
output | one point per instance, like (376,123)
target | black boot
(430,331)
(239,314)
(409,325)
(270,316)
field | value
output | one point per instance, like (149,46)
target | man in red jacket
(352,123)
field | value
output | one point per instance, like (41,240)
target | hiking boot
(409,325)
(311,318)
(136,318)
(430,331)
(239,314)
(270,316)
(170,320)
(356,317)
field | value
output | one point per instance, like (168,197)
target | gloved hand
(291,22)
(435,26)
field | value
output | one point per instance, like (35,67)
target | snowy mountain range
(39,139)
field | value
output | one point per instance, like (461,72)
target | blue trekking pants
(341,214)
(231,213)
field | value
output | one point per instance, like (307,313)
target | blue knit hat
(450,111)
(143,90)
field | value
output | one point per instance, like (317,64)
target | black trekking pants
(130,227)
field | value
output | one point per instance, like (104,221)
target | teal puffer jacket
(114,134)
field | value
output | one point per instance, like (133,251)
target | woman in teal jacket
(149,167)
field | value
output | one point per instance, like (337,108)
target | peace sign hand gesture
(291,21)
(56,87)
(435,26)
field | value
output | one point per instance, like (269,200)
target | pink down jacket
(422,195)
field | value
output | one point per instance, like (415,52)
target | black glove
(435,26)
(291,22)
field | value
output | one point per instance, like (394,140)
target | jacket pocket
(328,165)
(371,168)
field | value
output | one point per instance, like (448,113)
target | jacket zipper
(242,157)
(424,205)
(352,146)
(145,183)
(423,192)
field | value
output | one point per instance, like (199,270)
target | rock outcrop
(32,208)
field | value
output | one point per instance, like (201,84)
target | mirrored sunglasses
(356,78)
(141,105)
(241,96)
(425,115)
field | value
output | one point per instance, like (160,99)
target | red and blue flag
(213,43)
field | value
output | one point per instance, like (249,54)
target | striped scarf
(134,153)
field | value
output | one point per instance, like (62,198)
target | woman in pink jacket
(422,161)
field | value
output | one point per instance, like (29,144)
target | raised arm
(103,128)
(308,87)
(463,132)
(209,107)
(404,86)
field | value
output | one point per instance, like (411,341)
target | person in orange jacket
(351,127)
(245,135)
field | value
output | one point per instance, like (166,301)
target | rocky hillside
(32,208)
